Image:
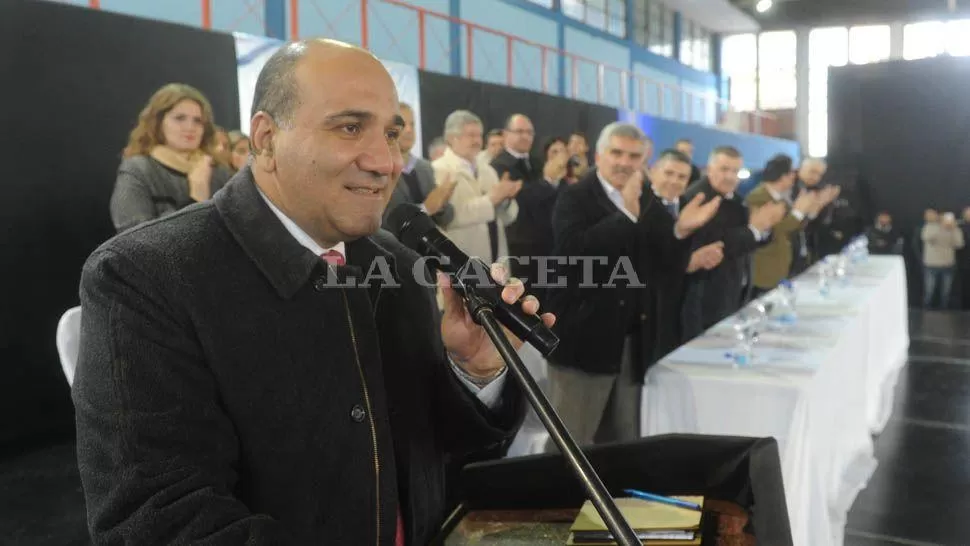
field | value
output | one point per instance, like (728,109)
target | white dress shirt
(490,394)
(615,196)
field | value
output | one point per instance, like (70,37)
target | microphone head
(408,223)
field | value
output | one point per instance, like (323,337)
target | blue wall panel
(756,149)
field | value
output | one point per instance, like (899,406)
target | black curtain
(74,81)
(551,116)
(906,126)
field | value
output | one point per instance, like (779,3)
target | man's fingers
(500,273)
(548,319)
(513,290)
(452,301)
(530,304)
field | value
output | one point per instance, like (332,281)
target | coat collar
(285,263)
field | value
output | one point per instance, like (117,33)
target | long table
(821,387)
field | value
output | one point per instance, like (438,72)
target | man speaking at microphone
(228,392)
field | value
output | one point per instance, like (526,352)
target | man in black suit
(686,147)
(527,236)
(665,288)
(712,295)
(417,184)
(610,236)
(230,390)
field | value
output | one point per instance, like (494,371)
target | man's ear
(263,134)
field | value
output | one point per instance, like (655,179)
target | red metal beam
(509,72)
(470,51)
(294,20)
(206,14)
(94,4)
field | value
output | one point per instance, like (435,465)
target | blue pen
(663,500)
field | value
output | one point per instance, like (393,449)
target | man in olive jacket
(234,387)
(772,261)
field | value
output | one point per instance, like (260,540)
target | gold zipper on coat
(370,415)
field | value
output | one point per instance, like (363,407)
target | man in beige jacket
(941,239)
(483,203)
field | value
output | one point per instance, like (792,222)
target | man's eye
(393,134)
(352,129)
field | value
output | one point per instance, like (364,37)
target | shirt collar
(773,193)
(663,199)
(464,162)
(301,236)
(517,155)
(611,191)
(409,166)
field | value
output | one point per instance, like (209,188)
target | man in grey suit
(417,184)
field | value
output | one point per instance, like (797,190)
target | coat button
(643,317)
(357,413)
(622,303)
(320,284)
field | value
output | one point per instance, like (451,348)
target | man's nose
(379,157)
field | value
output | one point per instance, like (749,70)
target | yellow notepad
(648,519)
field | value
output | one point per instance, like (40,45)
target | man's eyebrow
(359,115)
(398,121)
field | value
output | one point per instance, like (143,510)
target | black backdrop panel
(552,116)
(73,86)
(906,125)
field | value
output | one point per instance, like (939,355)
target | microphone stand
(482,313)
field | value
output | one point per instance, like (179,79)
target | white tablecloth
(819,387)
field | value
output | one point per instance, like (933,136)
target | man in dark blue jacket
(236,387)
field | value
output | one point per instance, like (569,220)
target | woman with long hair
(168,163)
(239,148)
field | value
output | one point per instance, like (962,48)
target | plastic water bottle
(825,275)
(840,269)
(747,326)
(784,306)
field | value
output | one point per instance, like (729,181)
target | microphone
(417,231)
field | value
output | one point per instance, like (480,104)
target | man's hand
(827,195)
(439,196)
(555,169)
(807,203)
(466,341)
(505,189)
(706,257)
(695,214)
(766,216)
(632,191)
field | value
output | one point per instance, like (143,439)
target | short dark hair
(777,167)
(495,132)
(549,143)
(671,154)
(276,91)
(729,151)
